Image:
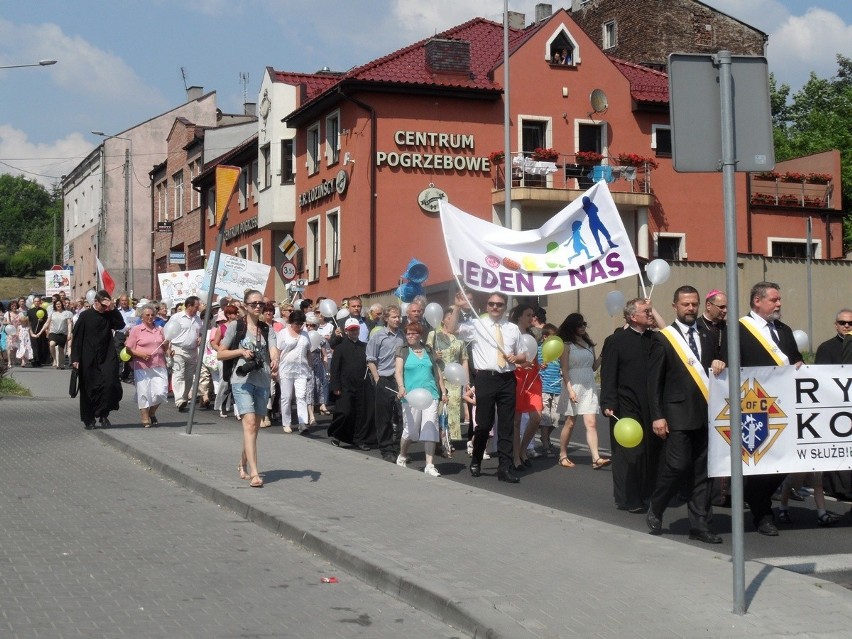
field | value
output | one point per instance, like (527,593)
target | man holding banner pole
(765,341)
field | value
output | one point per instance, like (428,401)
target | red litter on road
(329,580)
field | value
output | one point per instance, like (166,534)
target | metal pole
(130,213)
(507,143)
(810,286)
(127,247)
(723,59)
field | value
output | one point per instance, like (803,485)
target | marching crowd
(400,374)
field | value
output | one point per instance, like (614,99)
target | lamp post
(40,63)
(128,208)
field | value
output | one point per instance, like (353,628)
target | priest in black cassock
(624,393)
(94,356)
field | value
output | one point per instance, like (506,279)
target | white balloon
(171,329)
(658,271)
(90,296)
(529,346)
(316,340)
(30,301)
(614,303)
(419,398)
(455,374)
(802,340)
(403,309)
(433,314)
(328,308)
(10,330)
(169,304)
(341,313)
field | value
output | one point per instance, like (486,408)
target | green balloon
(124,355)
(551,349)
(628,432)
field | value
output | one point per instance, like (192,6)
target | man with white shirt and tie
(765,341)
(496,348)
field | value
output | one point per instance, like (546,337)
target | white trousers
(299,386)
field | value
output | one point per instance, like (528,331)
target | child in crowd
(551,381)
(25,345)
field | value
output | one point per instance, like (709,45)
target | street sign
(177,257)
(696,114)
(288,271)
(289,247)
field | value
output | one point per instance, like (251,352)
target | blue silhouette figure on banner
(597,227)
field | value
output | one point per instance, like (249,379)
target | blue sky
(120,60)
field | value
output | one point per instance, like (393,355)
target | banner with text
(178,285)
(235,275)
(793,421)
(583,245)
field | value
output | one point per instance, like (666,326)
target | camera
(254,364)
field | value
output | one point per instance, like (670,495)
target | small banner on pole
(226,183)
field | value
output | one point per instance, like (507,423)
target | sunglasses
(844,323)
(497,304)
(254,304)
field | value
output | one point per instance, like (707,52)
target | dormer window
(562,49)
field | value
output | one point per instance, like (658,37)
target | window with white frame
(288,174)
(211,206)
(313,149)
(661,139)
(162,199)
(194,194)
(670,246)
(609,35)
(332,138)
(793,248)
(257,251)
(332,242)
(562,49)
(312,250)
(177,185)
(243,252)
(255,180)
(266,162)
(242,188)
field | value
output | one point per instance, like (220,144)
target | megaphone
(416,272)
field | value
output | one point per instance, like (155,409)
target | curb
(430,596)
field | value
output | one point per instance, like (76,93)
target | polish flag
(105,279)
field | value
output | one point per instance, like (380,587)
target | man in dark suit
(624,393)
(765,341)
(347,385)
(678,391)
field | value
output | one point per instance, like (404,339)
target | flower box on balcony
(545,155)
(634,159)
(763,199)
(767,176)
(793,177)
(588,158)
(790,200)
(496,157)
(819,178)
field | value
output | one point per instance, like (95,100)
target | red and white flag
(105,280)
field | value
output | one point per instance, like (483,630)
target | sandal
(242,471)
(146,424)
(256,482)
(565,462)
(828,518)
(324,411)
(600,462)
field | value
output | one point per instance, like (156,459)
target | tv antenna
(244,80)
(183,75)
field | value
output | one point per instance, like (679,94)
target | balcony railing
(571,172)
(796,194)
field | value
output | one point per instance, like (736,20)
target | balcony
(564,178)
(792,190)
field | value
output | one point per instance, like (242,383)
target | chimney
(517,20)
(543,12)
(250,108)
(448,56)
(193,93)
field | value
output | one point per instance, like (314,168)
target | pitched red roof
(646,85)
(314,83)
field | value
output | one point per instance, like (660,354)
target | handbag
(74,386)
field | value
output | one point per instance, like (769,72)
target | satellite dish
(598,101)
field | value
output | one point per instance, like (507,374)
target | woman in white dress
(580,397)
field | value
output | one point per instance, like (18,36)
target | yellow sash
(774,351)
(692,363)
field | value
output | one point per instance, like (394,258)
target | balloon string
(652,291)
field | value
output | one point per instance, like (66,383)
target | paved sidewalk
(489,565)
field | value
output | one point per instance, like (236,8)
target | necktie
(691,339)
(773,332)
(498,337)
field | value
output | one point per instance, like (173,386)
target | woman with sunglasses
(294,370)
(580,396)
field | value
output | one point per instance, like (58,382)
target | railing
(783,193)
(571,172)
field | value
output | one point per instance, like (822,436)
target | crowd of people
(408,373)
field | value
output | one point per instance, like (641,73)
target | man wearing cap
(347,385)
(381,362)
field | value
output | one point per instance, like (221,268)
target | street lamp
(40,63)
(128,206)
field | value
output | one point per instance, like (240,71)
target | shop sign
(164,227)
(325,189)
(434,151)
(177,257)
(242,228)
(430,199)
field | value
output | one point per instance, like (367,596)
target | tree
(817,119)
(27,212)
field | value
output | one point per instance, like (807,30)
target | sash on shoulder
(771,347)
(692,363)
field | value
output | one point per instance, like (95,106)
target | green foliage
(27,215)
(818,118)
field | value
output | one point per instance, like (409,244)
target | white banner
(583,245)
(56,282)
(793,421)
(235,275)
(178,285)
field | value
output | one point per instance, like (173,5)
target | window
(562,49)
(332,138)
(609,35)
(661,139)
(332,242)
(313,249)
(243,252)
(534,135)
(287,172)
(211,206)
(177,185)
(313,149)
(266,162)
(161,192)
(793,248)
(194,195)
(255,179)
(194,257)
(670,246)
(257,251)
(243,189)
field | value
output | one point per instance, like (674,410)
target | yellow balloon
(45,305)
(628,432)
(552,348)
(39,313)
(124,355)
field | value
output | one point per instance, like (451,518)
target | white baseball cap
(351,323)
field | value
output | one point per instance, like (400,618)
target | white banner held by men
(583,245)
(793,421)
(235,275)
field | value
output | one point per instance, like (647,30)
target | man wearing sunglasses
(831,351)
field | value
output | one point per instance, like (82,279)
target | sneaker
(402,461)
(486,456)
(288,429)
(470,449)
(223,414)
(431,471)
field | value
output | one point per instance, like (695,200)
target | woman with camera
(251,359)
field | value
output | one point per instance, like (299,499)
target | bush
(29,260)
